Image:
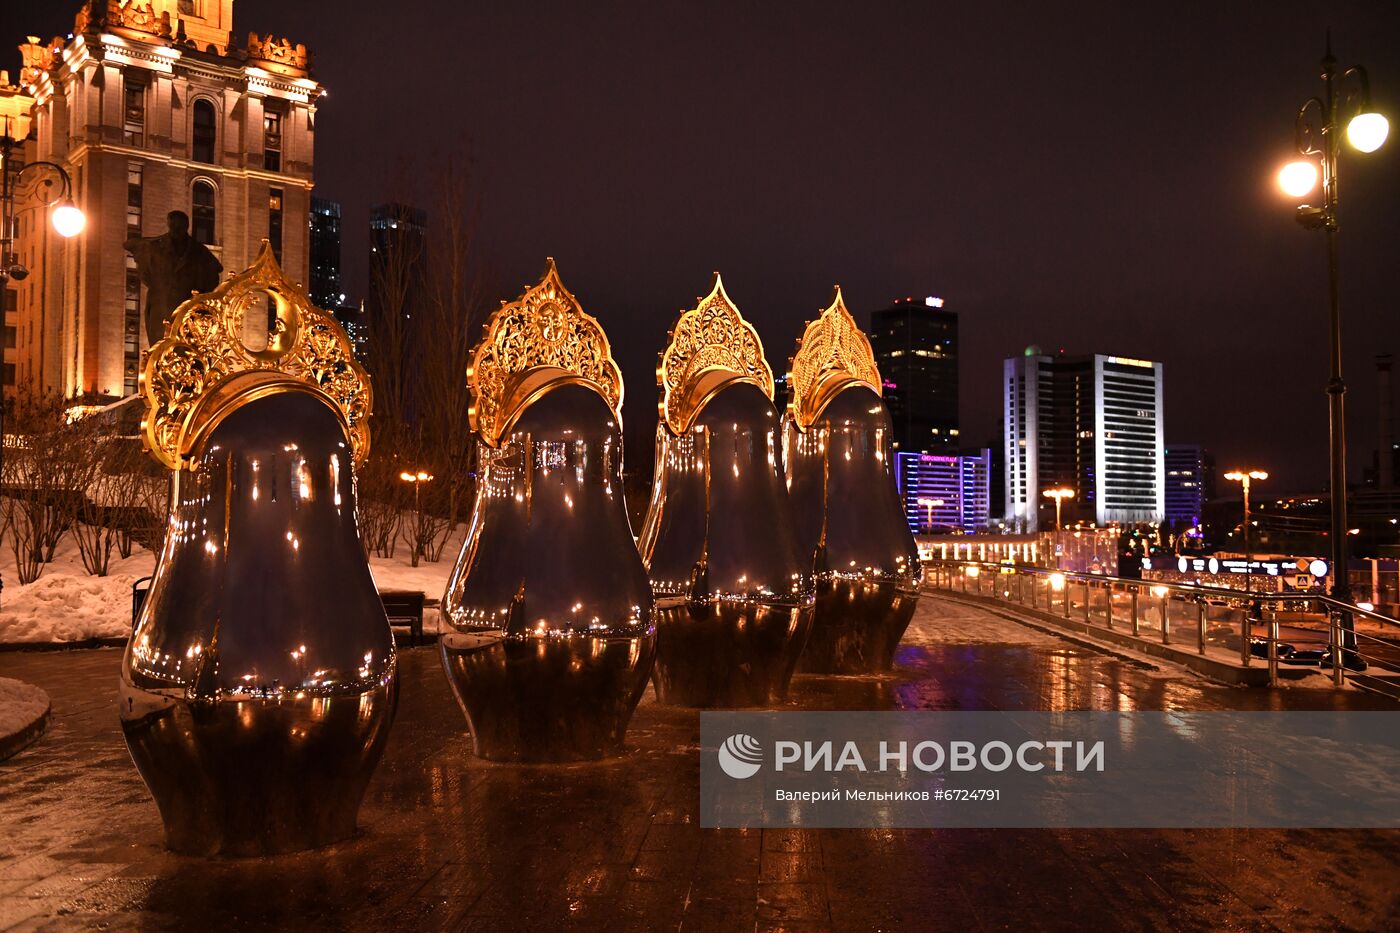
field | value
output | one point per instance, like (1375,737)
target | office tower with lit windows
(152,107)
(324,285)
(398,261)
(1091,423)
(916,348)
(1190,474)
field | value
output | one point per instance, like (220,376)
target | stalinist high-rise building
(152,106)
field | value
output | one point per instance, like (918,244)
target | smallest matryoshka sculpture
(836,446)
(733,591)
(260,681)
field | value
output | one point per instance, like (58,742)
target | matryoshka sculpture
(260,682)
(733,590)
(849,516)
(553,629)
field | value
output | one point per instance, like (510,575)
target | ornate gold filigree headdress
(542,334)
(203,346)
(832,354)
(711,346)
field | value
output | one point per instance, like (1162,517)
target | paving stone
(447,842)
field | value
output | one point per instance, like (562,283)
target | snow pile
(67,605)
(20,705)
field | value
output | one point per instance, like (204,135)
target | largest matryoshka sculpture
(259,684)
(553,629)
(837,449)
(733,590)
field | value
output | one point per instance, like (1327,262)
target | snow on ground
(66,604)
(20,705)
(431,578)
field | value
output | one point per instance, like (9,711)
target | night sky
(1087,177)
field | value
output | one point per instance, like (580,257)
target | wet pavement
(448,842)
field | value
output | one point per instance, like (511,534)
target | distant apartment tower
(1189,480)
(152,107)
(325,285)
(916,347)
(944,493)
(1092,423)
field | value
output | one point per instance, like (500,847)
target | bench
(406,608)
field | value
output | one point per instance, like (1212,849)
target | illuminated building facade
(153,107)
(944,493)
(916,347)
(1190,474)
(1091,423)
(324,285)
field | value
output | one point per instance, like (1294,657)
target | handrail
(1219,592)
(1260,609)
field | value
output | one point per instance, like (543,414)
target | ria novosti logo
(741,756)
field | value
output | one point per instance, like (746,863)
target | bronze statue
(172,266)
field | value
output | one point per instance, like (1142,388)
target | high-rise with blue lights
(944,493)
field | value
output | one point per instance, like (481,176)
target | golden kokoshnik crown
(832,354)
(203,348)
(711,345)
(540,339)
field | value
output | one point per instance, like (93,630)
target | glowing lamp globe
(68,220)
(1367,131)
(1297,178)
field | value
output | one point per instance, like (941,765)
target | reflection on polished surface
(259,685)
(553,625)
(455,843)
(734,592)
(848,512)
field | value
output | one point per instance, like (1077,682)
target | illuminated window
(274,221)
(133,110)
(272,140)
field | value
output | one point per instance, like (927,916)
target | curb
(16,742)
(63,645)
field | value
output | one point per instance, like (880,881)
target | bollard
(1134,610)
(1200,626)
(1166,625)
(1246,631)
(1068,589)
(1338,672)
(1108,605)
(1273,648)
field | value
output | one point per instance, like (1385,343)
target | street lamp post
(929,505)
(1320,141)
(36,179)
(417,479)
(1059,494)
(1243,477)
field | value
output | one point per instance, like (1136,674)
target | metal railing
(1294,629)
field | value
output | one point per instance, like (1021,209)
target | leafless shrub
(42,471)
(16,526)
(90,514)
